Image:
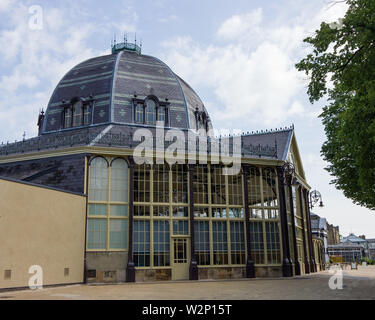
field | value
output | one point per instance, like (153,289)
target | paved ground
(357,284)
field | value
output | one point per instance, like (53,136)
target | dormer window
(67,117)
(201,119)
(76,114)
(139,112)
(149,111)
(161,114)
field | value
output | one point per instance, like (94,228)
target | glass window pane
(180,183)
(235,189)
(219,212)
(142,183)
(269,188)
(161,114)
(180,227)
(161,211)
(119,210)
(257,242)
(67,117)
(200,185)
(254,189)
(218,193)
(98,185)
(161,243)
(97,234)
(202,242)
(237,237)
(161,183)
(141,243)
(180,211)
(97,210)
(220,242)
(150,111)
(118,233)
(87,115)
(119,180)
(140,211)
(273,242)
(77,114)
(139,116)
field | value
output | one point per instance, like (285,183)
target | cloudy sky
(238,55)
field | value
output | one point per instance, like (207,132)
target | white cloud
(253,72)
(5,5)
(238,26)
(33,61)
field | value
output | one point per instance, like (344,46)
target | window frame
(109,205)
(158,106)
(86,108)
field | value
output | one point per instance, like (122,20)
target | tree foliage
(341,67)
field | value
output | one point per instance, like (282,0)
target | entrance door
(181,258)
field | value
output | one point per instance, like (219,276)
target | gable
(293,156)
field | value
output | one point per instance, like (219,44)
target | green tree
(341,68)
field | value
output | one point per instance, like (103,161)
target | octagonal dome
(113,83)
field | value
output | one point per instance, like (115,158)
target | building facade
(319,232)
(126,132)
(346,252)
(333,234)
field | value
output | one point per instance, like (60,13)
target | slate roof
(345,245)
(266,146)
(112,81)
(353,238)
(317,222)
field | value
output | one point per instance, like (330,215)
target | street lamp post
(315,197)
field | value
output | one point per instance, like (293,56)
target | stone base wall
(111,268)
(218,273)
(142,275)
(106,267)
(221,273)
(268,272)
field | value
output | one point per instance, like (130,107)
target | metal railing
(90,137)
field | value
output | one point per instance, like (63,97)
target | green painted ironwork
(126,46)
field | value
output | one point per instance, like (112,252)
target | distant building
(371,248)
(352,248)
(350,252)
(352,238)
(333,234)
(319,233)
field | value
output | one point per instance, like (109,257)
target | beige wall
(39,226)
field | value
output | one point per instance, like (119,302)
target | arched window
(98,180)
(107,226)
(150,111)
(119,181)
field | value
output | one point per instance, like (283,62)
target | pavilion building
(104,217)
